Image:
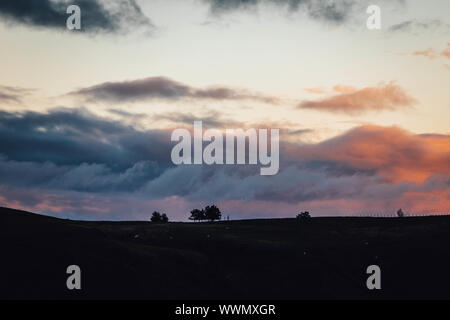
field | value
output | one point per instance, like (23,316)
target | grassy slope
(276,258)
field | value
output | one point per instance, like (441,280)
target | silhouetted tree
(303,215)
(197,215)
(164,218)
(156,217)
(212,213)
(400,213)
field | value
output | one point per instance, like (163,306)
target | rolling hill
(322,258)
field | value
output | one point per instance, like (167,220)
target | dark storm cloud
(71,137)
(96,178)
(336,11)
(74,150)
(163,88)
(301,181)
(96,15)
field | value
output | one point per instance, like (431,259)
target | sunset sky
(86,116)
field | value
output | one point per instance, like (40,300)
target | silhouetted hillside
(273,258)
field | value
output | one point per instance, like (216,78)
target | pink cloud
(395,154)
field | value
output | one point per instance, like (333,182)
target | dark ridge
(322,258)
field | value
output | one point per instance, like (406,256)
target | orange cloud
(446,52)
(344,89)
(432,54)
(395,154)
(315,90)
(353,101)
(428,53)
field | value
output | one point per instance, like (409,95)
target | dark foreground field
(255,259)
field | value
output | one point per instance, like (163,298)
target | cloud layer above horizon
(49,159)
